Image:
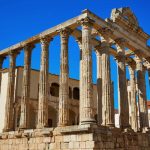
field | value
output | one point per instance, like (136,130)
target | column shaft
(24,117)
(43,84)
(122,87)
(106,87)
(99,87)
(87,104)
(63,80)
(1,64)
(143,112)
(9,110)
(112,111)
(134,119)
(81,83)
(79,40)
(129,99)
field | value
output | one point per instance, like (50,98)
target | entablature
(135,40)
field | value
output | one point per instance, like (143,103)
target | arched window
(54,89)
(76,93)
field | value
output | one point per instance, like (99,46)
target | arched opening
(32,116)
(76,93)
(72,117)
(52,117)
(54,89)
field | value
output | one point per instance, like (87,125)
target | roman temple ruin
(94,125)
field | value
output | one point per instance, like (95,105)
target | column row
(105,86)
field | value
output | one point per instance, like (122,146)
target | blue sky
(23,19)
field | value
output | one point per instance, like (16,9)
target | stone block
(71,145)
(73,137)
(90,144)
(58,138)
(47,139)
(67,138)
(64,145)
(83,145)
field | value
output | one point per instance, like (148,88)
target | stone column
(43,84)
(9,110)
(24,117)
(133,105)
(143,112)
(1,64)
(107,103)
(122,87)
(79,40)
(129,99)
(63,80)
(112,111)
(86,103)
(148,68)
(99,85)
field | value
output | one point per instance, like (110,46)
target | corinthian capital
(86,22)
(45,40)
(105,32)
(13,54)
(29,47)
(65,32)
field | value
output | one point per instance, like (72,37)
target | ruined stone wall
(73,138)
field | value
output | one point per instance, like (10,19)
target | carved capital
(98,49)
(105,32)
(86,22)
(29,47)
(138,58)
(120,57)
(65,32)
(102,48)
(13,54)
(45,40)
(131,64)
(139,54)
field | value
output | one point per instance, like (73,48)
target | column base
(145,130)
(22,128)
(7,130)
(89,121)
(111,125)
(128,130)
(41,126)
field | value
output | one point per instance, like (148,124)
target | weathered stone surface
(89,134)
(82,141)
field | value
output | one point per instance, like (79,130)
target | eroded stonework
(94,128)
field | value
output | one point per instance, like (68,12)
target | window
(54,89)
(76,93)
